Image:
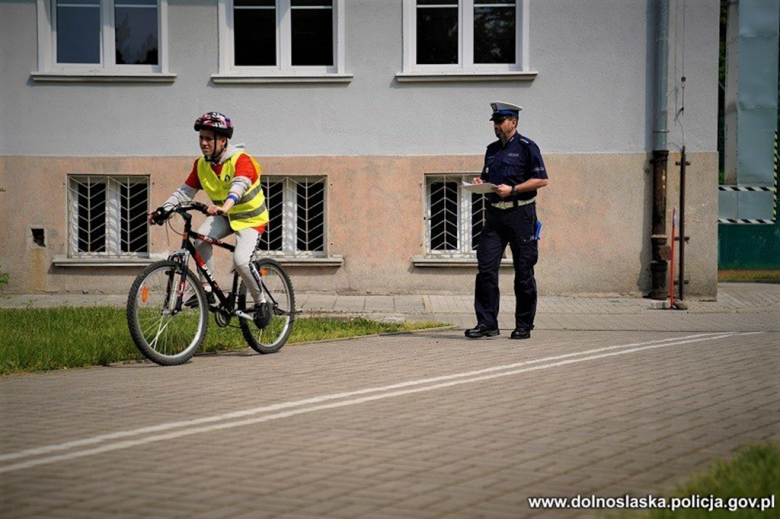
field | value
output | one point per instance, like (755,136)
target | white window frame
(465,69)
(464,236)
(464,255)
(284,71)
(107,69)
(113,215)
(290,217)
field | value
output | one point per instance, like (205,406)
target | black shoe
(192,302)
(263,314)
(481,330)
(520,333)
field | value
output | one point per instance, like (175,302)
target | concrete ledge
(330,261)
(103,262)
(221,79)
(418,77)
(421,261)
(102,77)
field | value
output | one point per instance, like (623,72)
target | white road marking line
(38,451)
(355,401)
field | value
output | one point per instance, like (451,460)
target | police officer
(514,164)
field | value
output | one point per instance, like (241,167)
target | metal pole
(671,261)
(659,247)
(683,163)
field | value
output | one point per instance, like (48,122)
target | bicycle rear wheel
(280,300)
(161,334)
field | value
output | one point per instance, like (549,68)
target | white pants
(218,227)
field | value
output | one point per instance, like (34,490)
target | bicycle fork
(175,296)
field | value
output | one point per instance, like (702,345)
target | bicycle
(168,326)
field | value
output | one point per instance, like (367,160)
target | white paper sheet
(485,187)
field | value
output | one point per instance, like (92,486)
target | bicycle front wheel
(163,334)
(268,333)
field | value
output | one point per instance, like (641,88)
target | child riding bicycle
(231,179)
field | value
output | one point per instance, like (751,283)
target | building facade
(365,115)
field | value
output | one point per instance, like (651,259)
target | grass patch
(59,338)
(756,276)
(753,472)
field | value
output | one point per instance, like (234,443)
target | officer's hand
(503,190)
(477,180)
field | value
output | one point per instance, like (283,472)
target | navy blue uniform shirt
(520,160)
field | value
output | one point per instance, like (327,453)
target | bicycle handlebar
(192,206)
(161,214)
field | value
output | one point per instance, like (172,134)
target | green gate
(752,240)
(749,246)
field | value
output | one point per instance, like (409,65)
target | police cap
(501,110)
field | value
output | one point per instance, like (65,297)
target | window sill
(428,261)
(102,77)
(61,261)
(242,79)
(419,77)
(329,261)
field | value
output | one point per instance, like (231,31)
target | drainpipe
(659,247)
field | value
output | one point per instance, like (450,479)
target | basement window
(108,216)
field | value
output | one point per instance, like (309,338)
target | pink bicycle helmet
(215,121)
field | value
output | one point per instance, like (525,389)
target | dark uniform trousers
(515,227)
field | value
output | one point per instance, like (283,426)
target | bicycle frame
(188,250)
(175,289)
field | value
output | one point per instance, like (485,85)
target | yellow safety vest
(250,211)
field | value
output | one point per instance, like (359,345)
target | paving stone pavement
(757,303)
(732,298)
(607,398)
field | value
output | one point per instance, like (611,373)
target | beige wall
(596,215)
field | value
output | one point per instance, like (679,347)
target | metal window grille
(454,217)
(107,216)
(297,224)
